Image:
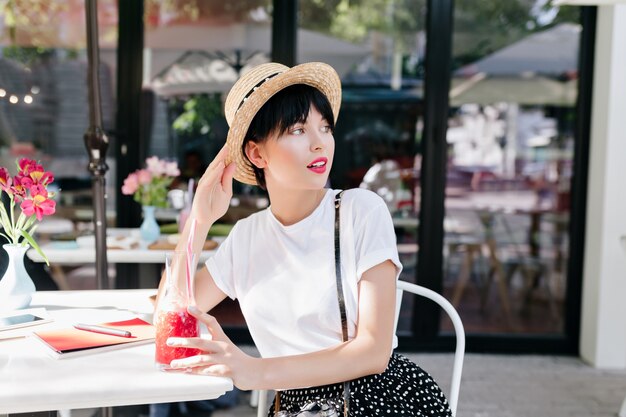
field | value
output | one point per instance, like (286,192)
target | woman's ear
(255,155)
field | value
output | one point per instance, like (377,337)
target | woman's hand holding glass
(219,357)
(215,189)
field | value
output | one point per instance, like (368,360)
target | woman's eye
(297,131)
(326,129)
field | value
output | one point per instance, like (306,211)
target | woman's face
(302,156)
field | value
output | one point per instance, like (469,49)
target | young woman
(279,263)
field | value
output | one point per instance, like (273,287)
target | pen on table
(103,330)
(2,339)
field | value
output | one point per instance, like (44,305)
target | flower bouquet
(149,186)
(29,189)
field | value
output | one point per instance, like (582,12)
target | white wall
(603,324)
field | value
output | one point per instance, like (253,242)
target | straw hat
(256,87)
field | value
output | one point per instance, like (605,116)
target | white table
(81,256)
(31,381)
(69,253)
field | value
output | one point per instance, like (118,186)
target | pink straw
(190,260)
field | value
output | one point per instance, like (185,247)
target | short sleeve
(375,240)
(221,265)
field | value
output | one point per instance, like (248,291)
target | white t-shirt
(284,276)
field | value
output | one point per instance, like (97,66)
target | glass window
(510,140)
(44,110)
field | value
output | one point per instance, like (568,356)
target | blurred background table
(66,255)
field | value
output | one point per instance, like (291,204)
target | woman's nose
(317,143)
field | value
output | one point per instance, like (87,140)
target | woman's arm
(367,353)
(208,295)
(211,200)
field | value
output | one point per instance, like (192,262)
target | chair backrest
(260,397)
(459,352)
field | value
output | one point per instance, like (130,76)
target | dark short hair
(289,106)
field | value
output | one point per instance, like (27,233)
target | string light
(15,98)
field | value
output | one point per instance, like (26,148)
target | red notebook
(69,342)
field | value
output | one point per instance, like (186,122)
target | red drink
(177,323)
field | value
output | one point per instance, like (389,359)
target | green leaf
(32,229)
(6,222)
(20,222)
(12,213)
(34,244)
(29,222)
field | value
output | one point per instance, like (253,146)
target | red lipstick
(318,165)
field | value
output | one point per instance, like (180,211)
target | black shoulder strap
(340,295)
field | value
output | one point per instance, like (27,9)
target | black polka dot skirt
(403,389)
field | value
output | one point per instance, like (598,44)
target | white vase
(16,286)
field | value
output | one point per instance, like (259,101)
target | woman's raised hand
(214,190)
(220,356)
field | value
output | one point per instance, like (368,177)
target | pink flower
(36,177)
(149,186)
(38,204)
(131,184)
(29,190)
(18,188)
(171,169)
(38,189)
(155,165)
(5,181)
(32,173)
(28,165)
(144,176)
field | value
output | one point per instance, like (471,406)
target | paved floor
(518,386)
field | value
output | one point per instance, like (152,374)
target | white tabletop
(32,381)
(80,256)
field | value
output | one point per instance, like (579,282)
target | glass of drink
(171,316)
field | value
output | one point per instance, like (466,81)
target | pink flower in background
(144,176)
(160,167)
(131,184)
(149,186)
(155,165)
(171,169)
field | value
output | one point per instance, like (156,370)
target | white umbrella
(528,72)
(552,52)
(199,72)
(186,59)
(532,90)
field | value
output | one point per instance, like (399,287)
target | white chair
(260,397)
